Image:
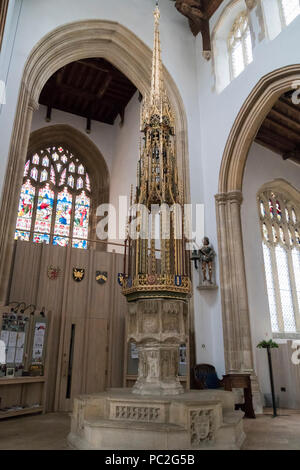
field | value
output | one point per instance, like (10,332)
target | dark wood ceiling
(280,131)
(91,88)
(198,13)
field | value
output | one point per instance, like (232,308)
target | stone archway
(235,309)
(67,43)
(79,144)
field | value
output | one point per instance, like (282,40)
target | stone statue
(207,255)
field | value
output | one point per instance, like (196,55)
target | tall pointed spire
(157,79)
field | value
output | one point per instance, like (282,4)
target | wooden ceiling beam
(103,89)
(279,144)
(288,108)
(285,120)
(69,89)
(282,130)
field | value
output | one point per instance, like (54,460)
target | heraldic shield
(53,272)
(101,277)
(78,274)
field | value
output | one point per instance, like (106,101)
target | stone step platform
(117,419)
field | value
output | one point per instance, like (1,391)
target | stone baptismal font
(157,413)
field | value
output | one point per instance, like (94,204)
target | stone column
(11,188)
(158,326)
(236,322)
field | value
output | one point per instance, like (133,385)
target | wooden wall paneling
(86,339)
(98,309)
(76,305)
(25,278)
(96,355)
(50,295)
(119,309)
(62,352)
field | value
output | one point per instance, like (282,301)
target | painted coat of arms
(78,274)
(120,279)
(53,272)
(101,277)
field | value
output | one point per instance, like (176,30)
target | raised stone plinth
(117,419)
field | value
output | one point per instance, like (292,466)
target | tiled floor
(49,432)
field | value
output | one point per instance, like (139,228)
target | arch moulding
(88,153)
(67,43)
(235,309)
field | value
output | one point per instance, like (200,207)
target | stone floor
(49,432)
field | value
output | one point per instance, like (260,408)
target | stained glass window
(290,10)
(26,204)
(240,44)
(81,217)
(44,210)
(54,207)
(281,254)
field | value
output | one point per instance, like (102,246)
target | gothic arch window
(240,44)
(54,204)
(231,43)
(280,228)
(290,9)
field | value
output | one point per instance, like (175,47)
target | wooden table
(231,381)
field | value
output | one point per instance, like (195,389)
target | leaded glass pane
(44,176)
(296,265)
(237,59)
(52,175)
(25,206)
(81,217)
(44,210)
(60,241)
(41,238)
(63,213)
(72,168)
(265,232)
(24,236)
(287,307)
(278,210)
(287,216)
(34,173)
(45,161)
(35,159)
(81,170)
(270,288)
(79,244)
(79,184)
(63,178)
(240,45)
(71,181)
(248,47)
(26,168)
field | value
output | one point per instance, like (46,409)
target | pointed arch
(65,44)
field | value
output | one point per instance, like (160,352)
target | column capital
(231,197)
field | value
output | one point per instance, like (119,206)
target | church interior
(150,225)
